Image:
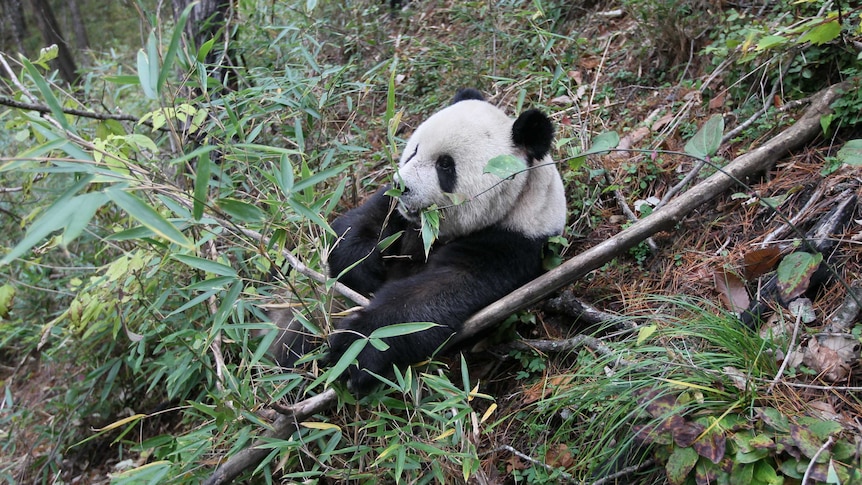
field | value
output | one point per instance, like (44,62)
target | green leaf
(826,122)
(399,329)
(284,175)
(603,142)
(385,243)
(505,166)
(242,211)
(171,54)
(144,75)
(205,265)
(83,208)
(794,273)
(645,333)
(7,295)
(53,218)
(148,217)
(309,214)
(202,183)
(770,41)
(430,227)
(306,182)
(764,473)
(47,95)
(680,463)
(851,153)
(205,48)
(823,33)
(346,359)
(707,140)
(46,55)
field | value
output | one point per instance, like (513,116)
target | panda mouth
(409,213)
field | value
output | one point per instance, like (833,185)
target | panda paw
(370,360)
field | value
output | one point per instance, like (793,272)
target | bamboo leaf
(505,166)
(399,329)
(148,217)
(202,181)
(171,54)
(47,95)
(242,211)
(52,219)
(346,359)
(205,265)
(83,208)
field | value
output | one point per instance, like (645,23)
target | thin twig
(41,108)
(787,355)
(625,472)
(807,476)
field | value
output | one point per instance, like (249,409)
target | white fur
(472,132)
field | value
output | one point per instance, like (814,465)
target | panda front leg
(425,297)
(356,258)
(460,278)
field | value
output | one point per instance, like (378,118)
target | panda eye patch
(445,162)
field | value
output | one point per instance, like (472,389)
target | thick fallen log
(750,164)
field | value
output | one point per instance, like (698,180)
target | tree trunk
(14,18)
(51,33)
(82,42)
(211,19)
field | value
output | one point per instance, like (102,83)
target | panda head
(445,159)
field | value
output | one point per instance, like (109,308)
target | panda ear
(533,133)
(467,93)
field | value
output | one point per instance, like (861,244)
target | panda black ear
(467,93)
(534,133)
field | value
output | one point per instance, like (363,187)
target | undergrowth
(142,257)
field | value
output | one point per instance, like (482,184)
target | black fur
(467,93)
(447,176)
(459,278)
(533,131)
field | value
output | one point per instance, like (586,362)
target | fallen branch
(281,429)
(747,165)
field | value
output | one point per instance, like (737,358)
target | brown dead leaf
(661,122)
(628,141)
(718,101)
(514,463)
(544,387)
(559,456)
(731,290)
(589,62)
(737,377)
(831,357)
(760,261)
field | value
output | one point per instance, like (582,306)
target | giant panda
(488,245)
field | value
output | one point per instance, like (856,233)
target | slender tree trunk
(210,19)
(50,29)
(82,42)
(14,18)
